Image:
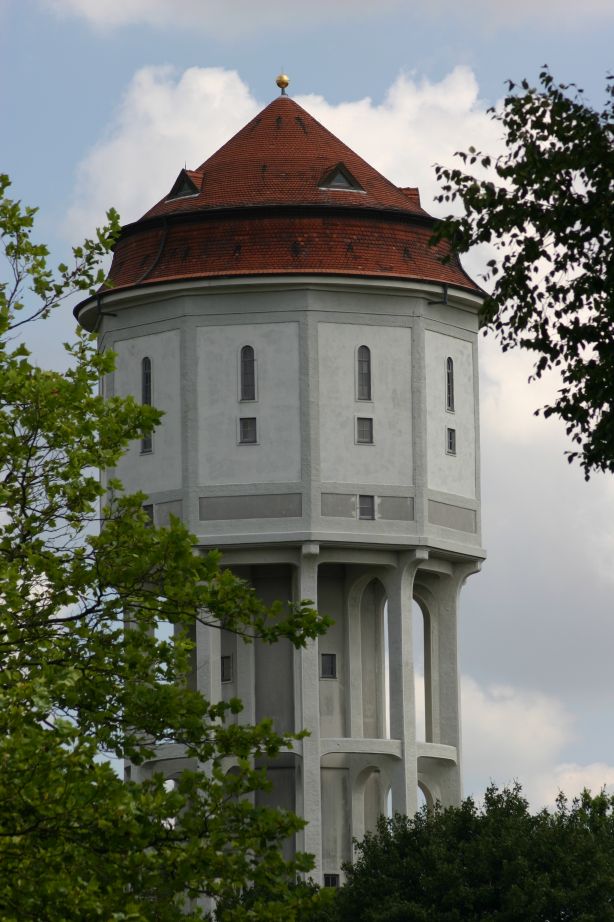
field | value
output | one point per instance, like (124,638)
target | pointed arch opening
(419,683)
(425,798)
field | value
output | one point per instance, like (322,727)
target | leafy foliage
(502,863)
(76,842)
(549,217)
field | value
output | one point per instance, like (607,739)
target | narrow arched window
(248,373)
(449,384)
(146,441)
(364,373)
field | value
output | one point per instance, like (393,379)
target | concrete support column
(208,661)
(208,653)
(358,808)
(246,681)
(419,421)
(399,586)
(354,586)
(307,708)
(447,592)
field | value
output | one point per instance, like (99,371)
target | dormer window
(183,187)
(340,179)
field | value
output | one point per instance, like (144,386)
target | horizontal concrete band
(334,505)
(164,511)
(343,505)
(289,505)
(263,506)
(452,516)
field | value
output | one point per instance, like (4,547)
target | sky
(102,102)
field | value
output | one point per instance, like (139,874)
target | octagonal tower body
(316,364)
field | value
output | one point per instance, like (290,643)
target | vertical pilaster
(431,701)
(353,592)
(401,672)
(190,425)
(209,684)
(246,681)
(307,699)
(419,421)
(446,591)
(208,661)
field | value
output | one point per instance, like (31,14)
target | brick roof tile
(261,210)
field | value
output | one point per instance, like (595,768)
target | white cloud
(553,13)
(164,121)
(218,16)
(514,734)
(212,16)
(511,733)
(571,778)
(419,123)
(508,400)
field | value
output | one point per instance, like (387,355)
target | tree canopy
(77,561)
(497,863)
(549,216)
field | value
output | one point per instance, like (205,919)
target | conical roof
(284,156)
(284,196)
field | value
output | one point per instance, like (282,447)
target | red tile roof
(281,157)
(260,209)
(268,242)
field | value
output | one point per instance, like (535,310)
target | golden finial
(282,81)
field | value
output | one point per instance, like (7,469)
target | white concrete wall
(276,457)
(389,459)
(161,469)
(450,473)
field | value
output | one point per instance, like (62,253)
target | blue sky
(102,102)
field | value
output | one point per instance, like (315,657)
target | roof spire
(282,81)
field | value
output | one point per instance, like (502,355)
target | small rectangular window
(366,507)
(331,880)
(364,430)
(247,430)
(227,669)
(328,665)
(451,441)
(149,511)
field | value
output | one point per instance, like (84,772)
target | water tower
(317,366)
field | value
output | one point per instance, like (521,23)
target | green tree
(500,862)
(549,217)
(76,842)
